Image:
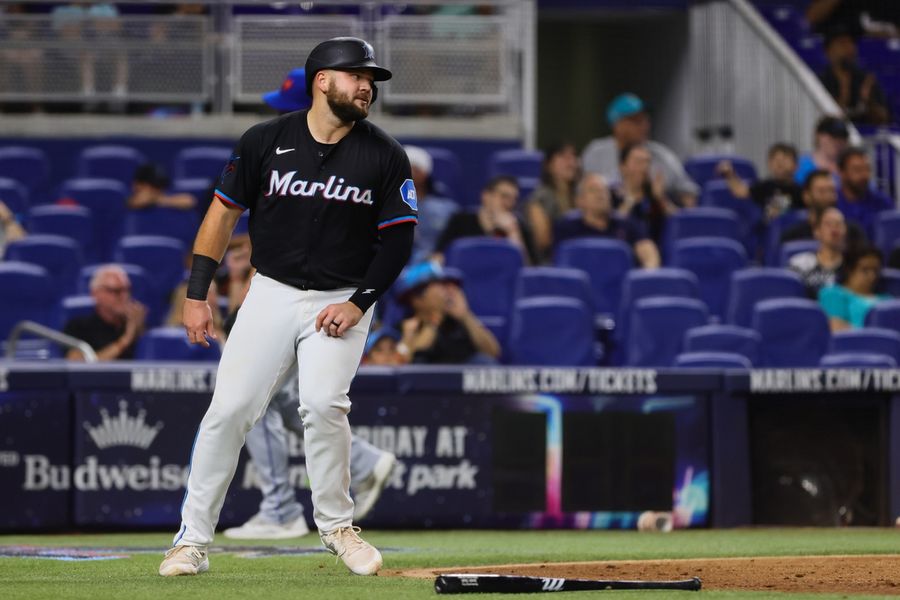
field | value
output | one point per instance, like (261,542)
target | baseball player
(280,515)
(332,211)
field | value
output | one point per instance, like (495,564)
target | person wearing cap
(857,91)
(332,214)
(630,122)
(434,211)
(831,138)
(148,189)
(381,349)
(291,95)
(442,328)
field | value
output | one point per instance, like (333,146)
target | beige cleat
(184,560)
(361,557)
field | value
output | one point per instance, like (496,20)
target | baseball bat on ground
(461,583)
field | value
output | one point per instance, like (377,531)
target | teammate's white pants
(274,329)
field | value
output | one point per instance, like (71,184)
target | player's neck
(324,126)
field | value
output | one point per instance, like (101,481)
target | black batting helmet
(342,53)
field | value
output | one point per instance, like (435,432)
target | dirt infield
(868,574)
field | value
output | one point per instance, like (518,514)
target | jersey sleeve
(239,183)
(399,201)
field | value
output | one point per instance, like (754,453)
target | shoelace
(192,552)
(349,540)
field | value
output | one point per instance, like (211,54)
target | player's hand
(198,321)
(336,319)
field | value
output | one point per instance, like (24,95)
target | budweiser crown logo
(123,429)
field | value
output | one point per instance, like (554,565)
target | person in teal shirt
(848,303)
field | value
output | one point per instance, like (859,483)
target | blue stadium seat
(75,222)
(703,168)
(106,200)
(787,20)
(699,222)
(198,186)
(170,343)
(551,330)
(162,257)
(712,260)
(60,256)
(554,281)
(811,50)
(890,282)
(657,328)
(789,249)
(865,360)
(527,185)
(867,339)
(446,171)
(205,162)
(887,231)
(490,267)
(110,162)
(605,261)
(179,224)
(517,163)
(749,286)
(717,194)
(29,166)
(776,229)
(885,314)
(713,360)
(723,338)
(14,195)
(73,307)
(794,332)
(35,298)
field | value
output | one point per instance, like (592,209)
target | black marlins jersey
(316,209)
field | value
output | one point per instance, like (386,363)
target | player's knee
(321,407)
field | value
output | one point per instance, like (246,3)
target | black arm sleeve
(396,248)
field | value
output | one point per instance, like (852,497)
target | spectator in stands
(148,189)
(442,328)
(857,198)
(819,193)
(857,92)
(630,124)
(555,196)
(596,218)
(381,349)
(777,193)
(118,320)
(818,269)
(640,194)
(10,229)
(495,217)
(848,302)
(434,211)
(830,140)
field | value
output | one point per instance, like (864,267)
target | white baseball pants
(276,328)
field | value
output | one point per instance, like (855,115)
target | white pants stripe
(274,330)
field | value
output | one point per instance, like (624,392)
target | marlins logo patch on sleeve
(230,168)
(408,193)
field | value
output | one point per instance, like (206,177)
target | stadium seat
(161,256)
(887,231)
(170,343)
(75,222)
(201,162)
(110,162)
(885,314)
(867,339)
(717,194)
(605,261)
(657,328)
(713,360)
(29,166)
(517,163)
(105,198)
(723,338)
(787,20)
(794,332)
(552,331)
(789,249)
(774,231)
(73,307)
(490,267)
(35,298)
(858,359)
(749,286)
(703,168)
(14,195)
(554,281)
(142,289)
(712,260)
(446,171)
(173,222)
(811,49)
(890,282)
(60,256)
(699,222)
(527,185)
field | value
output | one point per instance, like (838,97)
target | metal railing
(66,341)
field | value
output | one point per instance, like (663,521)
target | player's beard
(343,107)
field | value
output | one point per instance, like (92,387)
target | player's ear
(374,93)
(323,79)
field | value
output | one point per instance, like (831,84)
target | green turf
(317,575)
